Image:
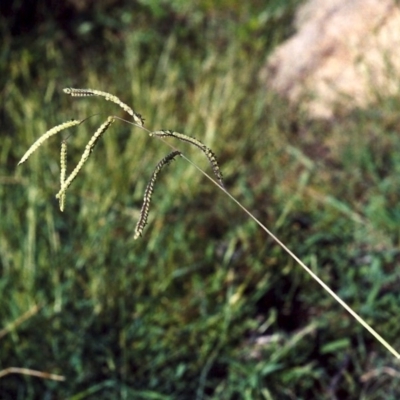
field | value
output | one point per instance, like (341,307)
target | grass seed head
(63,171)
(144,213)
(47,135)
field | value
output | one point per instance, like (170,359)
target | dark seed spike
(144,212)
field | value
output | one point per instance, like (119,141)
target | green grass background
(205,305)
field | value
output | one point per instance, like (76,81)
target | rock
(345,52)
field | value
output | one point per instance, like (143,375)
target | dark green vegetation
(205,305)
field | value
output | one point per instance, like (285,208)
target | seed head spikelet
(86,154)
(47,135)
(108,96)
(207,151)
(63,171)
(144,213)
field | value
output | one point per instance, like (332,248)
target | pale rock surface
(345,52)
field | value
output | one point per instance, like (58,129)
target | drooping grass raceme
(47,135)
(144,213)
(63,171)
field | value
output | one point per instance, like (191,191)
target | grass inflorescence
(150,187)
(47,135)
(144,213)
(206,306)
(66,182)
(63,171)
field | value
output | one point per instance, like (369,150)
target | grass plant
(150,186)
(203,306)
